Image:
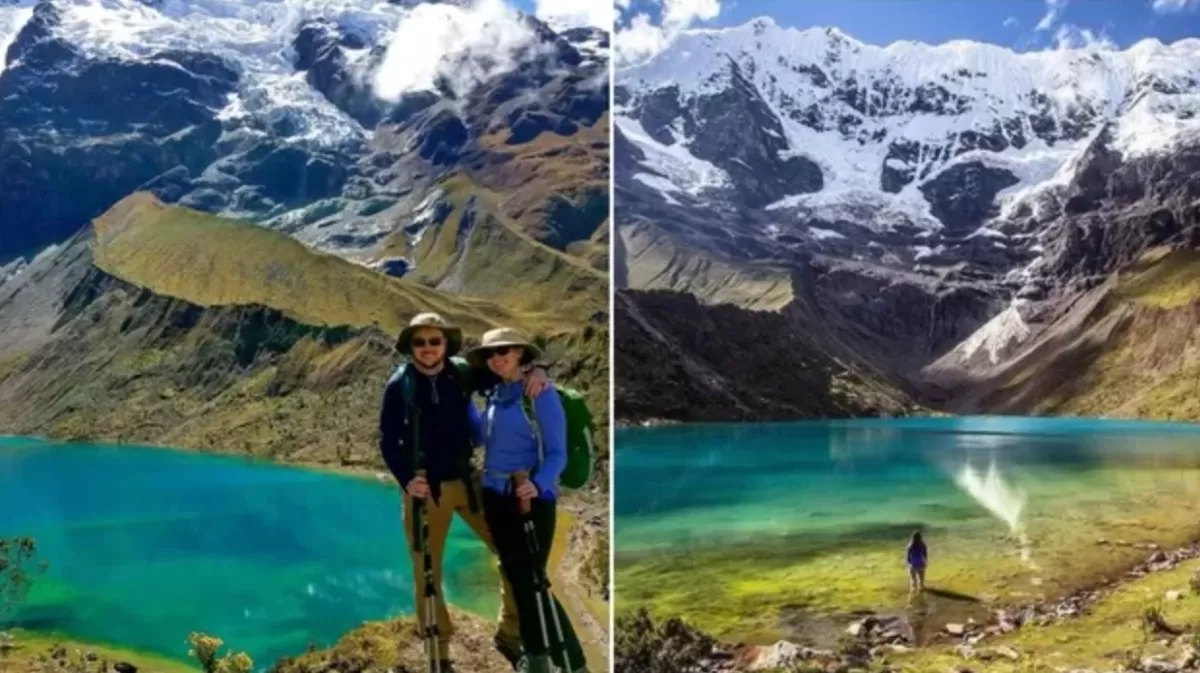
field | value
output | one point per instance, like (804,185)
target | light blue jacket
(512,445)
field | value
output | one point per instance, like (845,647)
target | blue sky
(1011,23)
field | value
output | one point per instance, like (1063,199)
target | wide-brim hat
(501,336)
(453,334)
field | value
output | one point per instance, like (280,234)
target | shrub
(17,569)
(595,569)
(204,650)
(641,646)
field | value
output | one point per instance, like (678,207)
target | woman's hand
(527,491)
(536,382)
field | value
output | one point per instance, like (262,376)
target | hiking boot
(509,650)
(537,664)
(446,666)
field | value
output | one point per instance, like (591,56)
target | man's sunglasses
(434,342)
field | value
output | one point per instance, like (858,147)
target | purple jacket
(918,555)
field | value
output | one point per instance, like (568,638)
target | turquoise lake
(702,484)
(147,545)
(725,523)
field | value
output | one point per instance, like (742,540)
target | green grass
(1136,356)
(30,646)
(658,262)
(500,262)
(213,261)
(1164,280)
(740,591)
(1100,639)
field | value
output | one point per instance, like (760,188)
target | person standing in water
(526,452)
(918,557)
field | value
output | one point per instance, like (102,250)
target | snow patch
(681,172)
(12,19)
(871,208)
(823,234)
(998,338)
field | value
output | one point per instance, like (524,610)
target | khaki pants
(454,500)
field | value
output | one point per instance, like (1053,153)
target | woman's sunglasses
(500,350)
(419,342)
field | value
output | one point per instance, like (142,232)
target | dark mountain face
(680,360)
(69,143)
(80,130)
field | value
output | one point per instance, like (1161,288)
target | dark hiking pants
(505,521)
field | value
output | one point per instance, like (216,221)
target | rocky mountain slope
(687,361)
(945,205)
(293,115)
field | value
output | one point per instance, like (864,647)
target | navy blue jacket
(441,415)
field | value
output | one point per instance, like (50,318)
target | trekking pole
(541,579)
(430,625)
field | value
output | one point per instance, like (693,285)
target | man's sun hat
(453,334)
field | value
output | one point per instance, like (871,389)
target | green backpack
(580,428)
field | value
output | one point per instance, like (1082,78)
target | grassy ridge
(195,330)
(214,261)
(657,262)
(477,251)
(1129,349)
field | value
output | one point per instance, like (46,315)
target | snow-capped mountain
(882,122)
(914,193)
(324,118)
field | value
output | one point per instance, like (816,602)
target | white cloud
(464,45)
(1172,6)
(1054,9)
(643,38)
(571,13)
(1069,36)
(681,13)
(1011,22)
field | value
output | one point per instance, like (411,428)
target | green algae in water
(734,526)
(147,545)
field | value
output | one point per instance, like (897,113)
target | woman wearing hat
(526,451)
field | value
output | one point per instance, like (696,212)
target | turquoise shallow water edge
(145,545)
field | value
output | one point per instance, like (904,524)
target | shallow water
(147,545)
(818,513)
